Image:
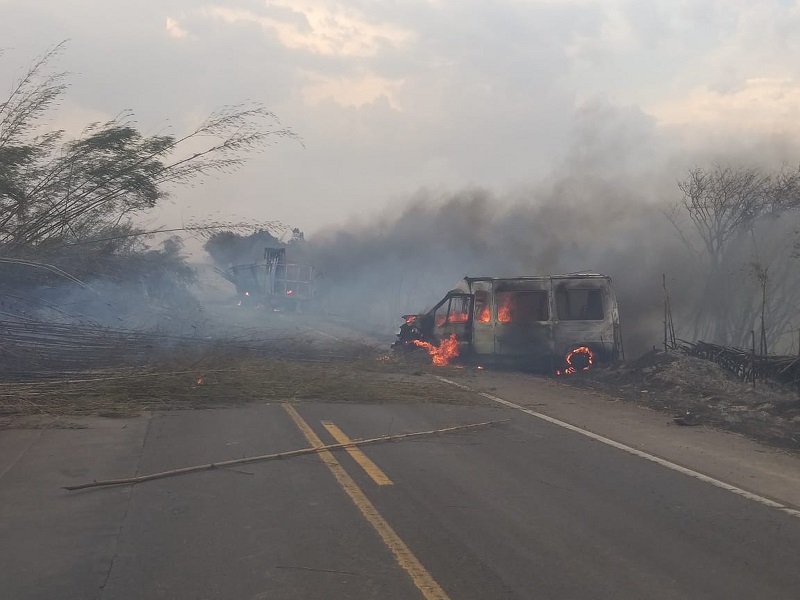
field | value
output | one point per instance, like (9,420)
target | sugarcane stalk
(276,456)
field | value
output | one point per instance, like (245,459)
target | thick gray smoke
(403,265)
(602,210)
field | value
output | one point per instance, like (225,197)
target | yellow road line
(405,558)
(362,459)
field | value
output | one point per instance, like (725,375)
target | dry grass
(229,379)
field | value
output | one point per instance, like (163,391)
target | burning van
(562,323)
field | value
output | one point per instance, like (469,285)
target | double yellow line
(358,455)
(403,555)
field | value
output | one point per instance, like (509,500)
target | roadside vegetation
(69,207)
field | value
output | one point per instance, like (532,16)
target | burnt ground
(340,372)
(295,368)
(699,392)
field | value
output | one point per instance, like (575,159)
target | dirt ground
(356,374)
(696,391)
(693,391)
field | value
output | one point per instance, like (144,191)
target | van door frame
(462,329)
(596,333)
(529,343)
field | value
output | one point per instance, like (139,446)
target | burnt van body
(533,322)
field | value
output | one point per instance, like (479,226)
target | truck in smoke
(273,283)
(561,323)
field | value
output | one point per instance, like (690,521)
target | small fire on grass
(201,380)
(442,354)
(578,359)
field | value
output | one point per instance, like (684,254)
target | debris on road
(275,456)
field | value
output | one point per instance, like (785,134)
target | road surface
(526,509)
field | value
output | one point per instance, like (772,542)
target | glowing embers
(442,354)
(578,359)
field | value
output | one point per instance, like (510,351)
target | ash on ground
(695,391)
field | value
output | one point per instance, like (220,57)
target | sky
(393,97)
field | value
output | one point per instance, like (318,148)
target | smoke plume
(602,210)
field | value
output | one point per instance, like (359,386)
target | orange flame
(444,352)
(504,310)
(459,317)
(483,314)
(585,350)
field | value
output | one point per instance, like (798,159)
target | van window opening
(459,309)
(482,311)
(522,306)
(580,305)
(455,310)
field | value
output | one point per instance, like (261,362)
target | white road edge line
(660,461)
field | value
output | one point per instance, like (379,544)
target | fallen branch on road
(289,454)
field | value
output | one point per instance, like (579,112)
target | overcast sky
(393,96)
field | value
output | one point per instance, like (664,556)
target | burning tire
(580,358)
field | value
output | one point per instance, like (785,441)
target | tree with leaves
(73,202)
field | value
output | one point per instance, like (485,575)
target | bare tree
(724,215)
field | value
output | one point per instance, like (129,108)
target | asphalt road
(525,509)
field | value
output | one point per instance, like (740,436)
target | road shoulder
(729,457)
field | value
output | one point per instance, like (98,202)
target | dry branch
(746,364)
(289,454)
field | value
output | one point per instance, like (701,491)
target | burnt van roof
(582,275)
